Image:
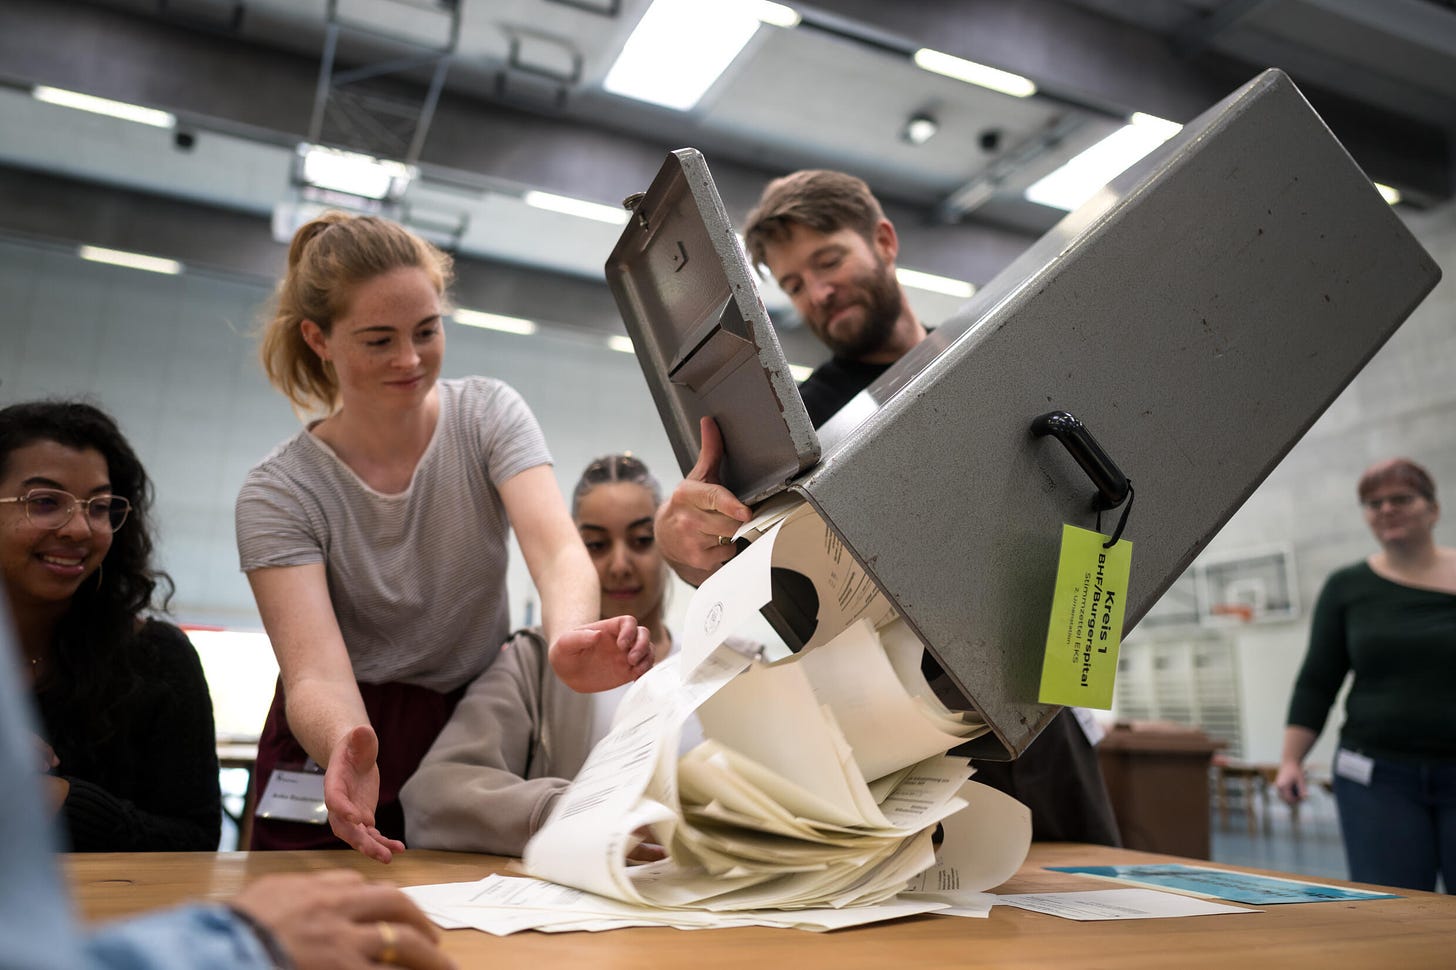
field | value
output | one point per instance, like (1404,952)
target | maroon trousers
(406,718)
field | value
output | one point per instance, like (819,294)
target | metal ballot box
(1198,314)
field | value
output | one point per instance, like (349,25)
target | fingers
(710,452)
(48,759)
(1292,790)
(378,902)
(694,520)
(337,919)
(640,656)
(366,839)
(718,505)
(385,943)
(626,631)
(634,643)
(713,497)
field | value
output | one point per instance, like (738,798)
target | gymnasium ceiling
(523,105)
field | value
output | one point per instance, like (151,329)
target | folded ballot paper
(822,796)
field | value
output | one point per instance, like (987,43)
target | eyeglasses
(1398,501)
(51,508)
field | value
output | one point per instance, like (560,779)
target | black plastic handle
(1112,487)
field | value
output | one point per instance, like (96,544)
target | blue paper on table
(1238,887)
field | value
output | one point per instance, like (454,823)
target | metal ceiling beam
(1201,30)
(371,120)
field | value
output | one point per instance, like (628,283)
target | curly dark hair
(94,661)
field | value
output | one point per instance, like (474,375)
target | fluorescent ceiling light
(1078,180)
(800,372)
(105,106)
(353,173)
(973,73)
(680,47)
(120,257)
(935,284)
(494,321)
(621,344)
(615,215)
(1390,195)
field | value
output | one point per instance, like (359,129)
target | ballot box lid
(700,331)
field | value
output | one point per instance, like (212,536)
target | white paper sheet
(502,905)
(968,862)
(879,717)
(585,841)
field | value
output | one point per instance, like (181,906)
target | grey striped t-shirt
(418,579)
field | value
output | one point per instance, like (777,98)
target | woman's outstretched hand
(602,655)
(351,793)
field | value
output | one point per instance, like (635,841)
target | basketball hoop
(1242,612)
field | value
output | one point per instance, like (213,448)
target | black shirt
(152,786)
(834,383)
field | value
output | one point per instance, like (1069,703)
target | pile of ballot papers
(822,795)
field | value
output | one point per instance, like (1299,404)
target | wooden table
(1418,930)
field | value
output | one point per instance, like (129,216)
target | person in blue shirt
(302,921)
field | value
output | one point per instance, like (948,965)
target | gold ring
(724,541)
(389,937)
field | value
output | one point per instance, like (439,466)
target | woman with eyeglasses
(129,752)
(1389,620)
(375,538)
(519,735)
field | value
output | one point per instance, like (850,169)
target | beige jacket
(510,749)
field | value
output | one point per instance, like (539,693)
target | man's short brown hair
(818,199)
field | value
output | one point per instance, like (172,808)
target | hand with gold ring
(389,940)
(329,920)
(694,527)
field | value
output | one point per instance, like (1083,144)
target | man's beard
(878,294)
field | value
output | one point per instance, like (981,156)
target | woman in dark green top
(1391,620)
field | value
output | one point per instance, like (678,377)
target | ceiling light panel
(105,106)
(494,321)
(353,173)
(973,73)
(597,211)
(120,257)
(681,47)
(935,284)
(1079,179)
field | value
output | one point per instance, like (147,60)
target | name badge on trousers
(1354,766)
(296,796)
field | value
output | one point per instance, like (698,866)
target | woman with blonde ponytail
(375,538)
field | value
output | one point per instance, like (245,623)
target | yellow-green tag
(1086,625)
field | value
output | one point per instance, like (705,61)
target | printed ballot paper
(822,796)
